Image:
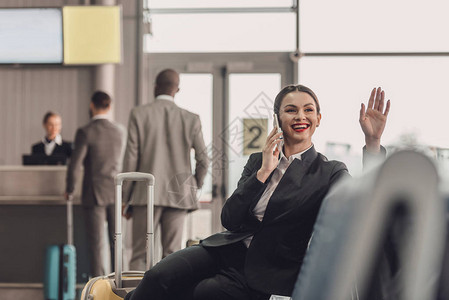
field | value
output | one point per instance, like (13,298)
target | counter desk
(32,217)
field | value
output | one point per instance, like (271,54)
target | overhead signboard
(92,34)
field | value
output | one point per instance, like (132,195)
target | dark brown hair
(294,88)
(101,100)
(48,115)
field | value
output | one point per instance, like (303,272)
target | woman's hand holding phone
(278,130)
(270,152)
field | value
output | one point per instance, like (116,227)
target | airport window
(251,96)
(373,26)
(195,95)
(217,3)
(347,48)
(416,86)
(241,32)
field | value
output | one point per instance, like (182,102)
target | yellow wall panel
(92,34)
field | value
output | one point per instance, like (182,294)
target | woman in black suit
(270,215)
(52,143)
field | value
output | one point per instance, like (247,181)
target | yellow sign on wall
(92,34)
(254,135)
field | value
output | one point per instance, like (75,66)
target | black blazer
(64,148)
(280,241)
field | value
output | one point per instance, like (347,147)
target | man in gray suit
(98,147)
(160,138)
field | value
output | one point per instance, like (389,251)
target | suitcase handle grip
(134,176)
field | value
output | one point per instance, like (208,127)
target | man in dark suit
(98,147)
(52,143)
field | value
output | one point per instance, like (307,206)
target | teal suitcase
(60,266)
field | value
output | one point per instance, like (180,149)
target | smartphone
(276,123)
(278,129)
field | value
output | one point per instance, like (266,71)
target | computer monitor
(42,159)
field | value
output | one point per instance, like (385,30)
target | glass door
(251,99)
(195,95)
(233,94)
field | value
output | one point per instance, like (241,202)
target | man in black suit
(52,143)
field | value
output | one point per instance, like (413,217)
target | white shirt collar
(57,140)
(293,156)
(100,116)
(165,97)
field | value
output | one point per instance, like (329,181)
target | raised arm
(373,119)
(235,212)
(270,155)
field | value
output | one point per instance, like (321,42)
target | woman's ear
(319,120)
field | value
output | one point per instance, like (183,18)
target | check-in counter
(33,184)
(33,216)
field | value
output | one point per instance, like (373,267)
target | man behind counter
(52,144)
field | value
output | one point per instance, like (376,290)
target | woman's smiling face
(53,126)
(299,118)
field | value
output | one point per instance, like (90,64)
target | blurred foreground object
(381,236)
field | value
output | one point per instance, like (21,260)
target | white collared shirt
(101,117)
(261,206)
(50,146)
(165,97)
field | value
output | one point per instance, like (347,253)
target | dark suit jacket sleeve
(368,160)
(202,160)
(373,159)
(77,158)
(339,172)
(249,190)
(131,156)
(132,146)
(68,148)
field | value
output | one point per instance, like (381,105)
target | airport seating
(380,235)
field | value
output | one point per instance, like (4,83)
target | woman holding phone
(270,216)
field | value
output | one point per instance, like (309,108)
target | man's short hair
(101,100)
(48,115)
(168,79)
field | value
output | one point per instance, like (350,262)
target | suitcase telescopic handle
(119,179)
(69,210)
(134,176)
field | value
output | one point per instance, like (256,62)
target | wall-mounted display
(31,36)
